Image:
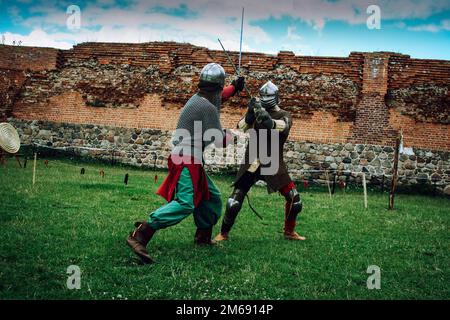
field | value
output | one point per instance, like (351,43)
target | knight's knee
(234,205)
(187,205)
(232,210)
(295,201)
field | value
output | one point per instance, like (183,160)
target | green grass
(83,220)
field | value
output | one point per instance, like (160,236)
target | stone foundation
(306,161)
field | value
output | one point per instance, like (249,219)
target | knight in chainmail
(261,116)
(200,114)
(187,188)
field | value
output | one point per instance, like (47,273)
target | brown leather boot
(289,232)
(293,236)
(203,237)
(222,236)
(138,240)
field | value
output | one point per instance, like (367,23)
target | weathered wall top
(28,58)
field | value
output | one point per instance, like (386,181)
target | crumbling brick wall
(418,98)
(16,63)
(364,98)
(28,58)
(420,89)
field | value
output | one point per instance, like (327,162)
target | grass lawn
(69,219)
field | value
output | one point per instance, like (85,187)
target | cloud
(181,11)
(37,38)
(443,26)
(62,40)
(201,22)
(143,21)
(292,35)
(318,13)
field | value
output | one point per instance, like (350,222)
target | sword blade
(234,67)
(228,57)
(240,45)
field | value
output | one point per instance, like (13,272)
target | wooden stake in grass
(34,168)
(328,182)
(394,174)
(365,189)
(155,156)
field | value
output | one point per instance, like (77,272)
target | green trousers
(206,214)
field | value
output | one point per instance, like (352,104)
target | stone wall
(147,84)
(306,161)
(363,99)
(137,147)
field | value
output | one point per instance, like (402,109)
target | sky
(418,28)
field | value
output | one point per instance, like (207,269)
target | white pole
(365,190)
(34,169)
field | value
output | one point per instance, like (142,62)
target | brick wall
(420,89)
(15,62)
(371,123)
(10,83)
(363,98)
(28,58)
(418,98)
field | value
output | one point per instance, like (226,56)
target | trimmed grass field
(69,219)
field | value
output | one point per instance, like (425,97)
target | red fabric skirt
(167,189)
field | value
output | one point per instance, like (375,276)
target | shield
(9,138)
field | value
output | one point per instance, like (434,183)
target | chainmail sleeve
(211,120)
